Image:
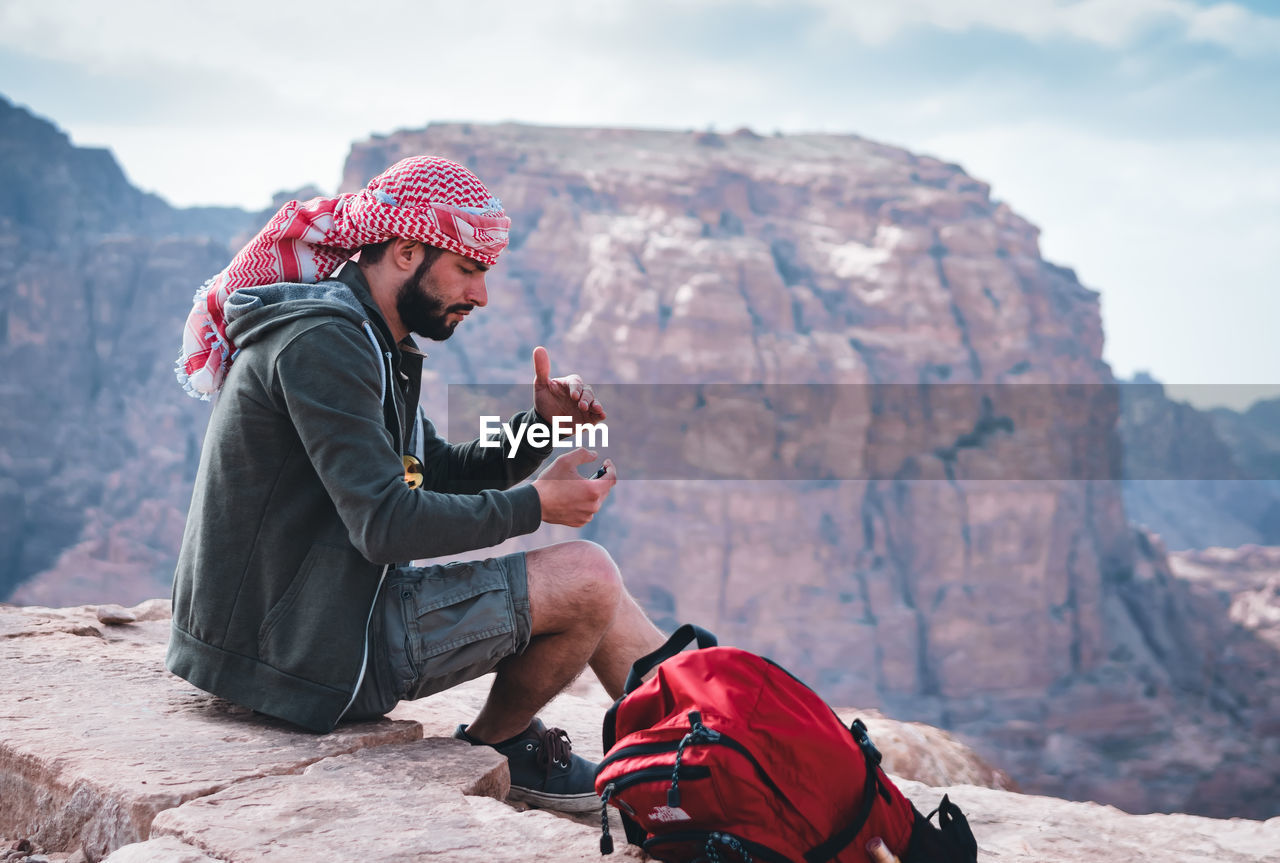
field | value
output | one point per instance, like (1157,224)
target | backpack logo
(669,813)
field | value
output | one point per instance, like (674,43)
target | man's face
(439,294)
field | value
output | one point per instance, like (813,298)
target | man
(293,595)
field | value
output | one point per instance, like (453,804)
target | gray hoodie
(300,502)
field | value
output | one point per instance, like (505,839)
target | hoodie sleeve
(469,467)
(327,378)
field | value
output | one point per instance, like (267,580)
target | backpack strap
(841,839)
(679,640)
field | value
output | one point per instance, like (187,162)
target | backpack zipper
(654,774)
(755,850)
(706,736)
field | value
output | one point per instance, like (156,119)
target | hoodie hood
(252,312)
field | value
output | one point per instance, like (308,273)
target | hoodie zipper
(364,656)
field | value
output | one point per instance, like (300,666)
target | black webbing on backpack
(840,840)
(679,640)
(951,842)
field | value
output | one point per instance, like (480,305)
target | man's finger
(541,365)
(578,457)
(575,385)
(879,852)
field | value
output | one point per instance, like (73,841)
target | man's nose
(479,294)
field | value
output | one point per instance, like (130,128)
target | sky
(1141,136)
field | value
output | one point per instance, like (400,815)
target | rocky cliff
(105,756)
(669,257)
(1200,478)
(968,564)
(975,568)
(95,463)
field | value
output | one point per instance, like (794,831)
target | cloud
(1112,24)
(1130,130)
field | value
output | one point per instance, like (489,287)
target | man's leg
(581,614)
(631,636)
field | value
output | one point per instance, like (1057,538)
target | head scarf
(422,198)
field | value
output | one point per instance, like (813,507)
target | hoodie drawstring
(377,352)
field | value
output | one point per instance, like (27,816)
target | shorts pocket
(456,628)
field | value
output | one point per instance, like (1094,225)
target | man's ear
(405,254)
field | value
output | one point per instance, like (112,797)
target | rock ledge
(104,755)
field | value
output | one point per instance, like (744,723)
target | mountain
(939,533)
(1200,478)
(92,282)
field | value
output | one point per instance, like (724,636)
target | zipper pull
(606,840)
(698,733)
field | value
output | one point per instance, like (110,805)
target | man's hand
(562,397)
(567,496)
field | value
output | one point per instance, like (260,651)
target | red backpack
(724,756)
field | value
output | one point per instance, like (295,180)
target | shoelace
(554,748)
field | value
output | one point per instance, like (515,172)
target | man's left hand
(562,397)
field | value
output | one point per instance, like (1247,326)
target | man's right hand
(568,497)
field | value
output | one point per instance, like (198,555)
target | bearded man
(294,593)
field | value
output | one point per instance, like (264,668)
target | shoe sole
(576,803)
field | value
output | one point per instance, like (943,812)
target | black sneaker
(544,771)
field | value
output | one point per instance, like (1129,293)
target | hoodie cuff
(526,509)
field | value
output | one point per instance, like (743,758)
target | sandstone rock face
(818,259)
(1182,713)
(1006,610)
(1235,599)
(159,772)
(95,467)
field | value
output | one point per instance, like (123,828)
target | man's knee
(578,576)
(595,571)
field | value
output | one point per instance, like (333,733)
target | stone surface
(97,737)
(922,753)
(579,711)
(386,804)
(193,782)
(115,615)
(166,849)
(24,851)
(1033,829)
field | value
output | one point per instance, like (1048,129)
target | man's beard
(421,311)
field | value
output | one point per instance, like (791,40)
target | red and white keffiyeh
(422,198)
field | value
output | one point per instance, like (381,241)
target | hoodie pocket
(316,629)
